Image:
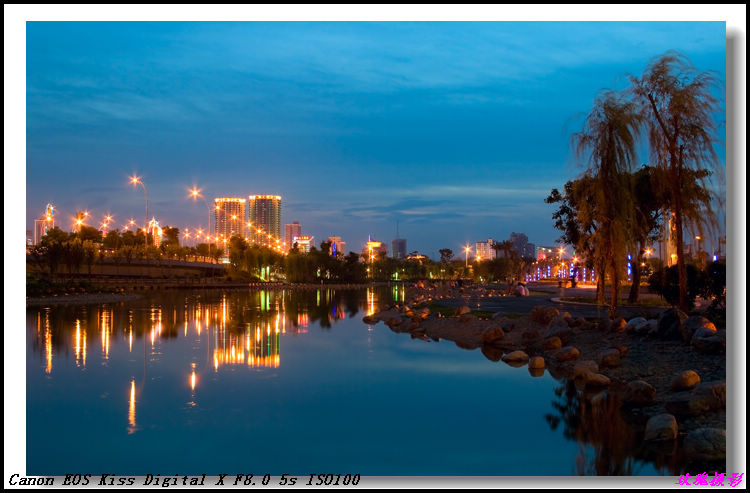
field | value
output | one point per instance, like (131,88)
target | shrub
(665,282)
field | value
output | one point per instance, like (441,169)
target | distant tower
(265,214)
(155,230)
(398,246)
(290,231)
(338,247)
(44,224)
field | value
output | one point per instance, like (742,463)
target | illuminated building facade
(44,224)
(229,218)
(485,250)
(155,230)
(265,214)
(290,231)
(304,243)
(338,247)
(398,248)
(373,249)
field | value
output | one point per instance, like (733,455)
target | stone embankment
(667,373)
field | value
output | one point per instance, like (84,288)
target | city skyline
(455,131)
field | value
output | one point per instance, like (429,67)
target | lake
(289,381)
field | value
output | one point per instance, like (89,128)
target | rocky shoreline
(666,376)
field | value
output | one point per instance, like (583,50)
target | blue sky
(458,131)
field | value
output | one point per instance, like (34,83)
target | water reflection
(235,328)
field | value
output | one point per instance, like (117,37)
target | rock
(543,314)
(609,357)
(567,353)
(536,372)
(530,334)
(423,313)
(596,380)
(635,325)
(714,344)
(516,356)
(661,427)
(693,323)
(394,322)
(706,444)
(560,319)
(705,398)
(462,310)
(493,335)
(536,362)
(581,368)
(669,324)
(550,343)
(370,320)
(492,353)
(413,325)
(639,392)
(466,317)
(562,331)
(617,325)
(686,380)
(652,328)
(623,350)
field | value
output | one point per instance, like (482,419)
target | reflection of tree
(597,421)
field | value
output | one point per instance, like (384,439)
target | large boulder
(516,357)
(596,380)
(686,380)
(536,362)
(617,325)
(543,314)
(669,324)
(581,368)
(706,444)
(706,341)
(493,335)
(462,310)
(609,357)
(636,325)
(691,324)
(661,427)
(492,353)
(639,392)
(705,398)
(567,353)
(551,343)
(561,330)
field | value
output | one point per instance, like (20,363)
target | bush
(666,282)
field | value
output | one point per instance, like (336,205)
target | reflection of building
(304,243)
(229,217)
(338,247)
(265,214)
(484,249)
(398,248)
(290,231)
(155,230)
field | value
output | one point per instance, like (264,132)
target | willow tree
(679,107)
(608,142)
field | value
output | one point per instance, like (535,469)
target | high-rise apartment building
(484,249)
(398,248)
(265,214)
(338,247)
(290,231)
(229,218)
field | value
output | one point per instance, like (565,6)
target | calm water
(289,382)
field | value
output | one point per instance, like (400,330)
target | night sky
(457,131)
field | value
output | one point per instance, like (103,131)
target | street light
(195,193)
(135,181)
(467,249)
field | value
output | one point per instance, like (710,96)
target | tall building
(530,250)
(290,231)
(44,224)
(519,241)
(398,248)
(304,243)
(338,247)
(484,250)
(265,214)
(229,218)
(373,248)
(155,230)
